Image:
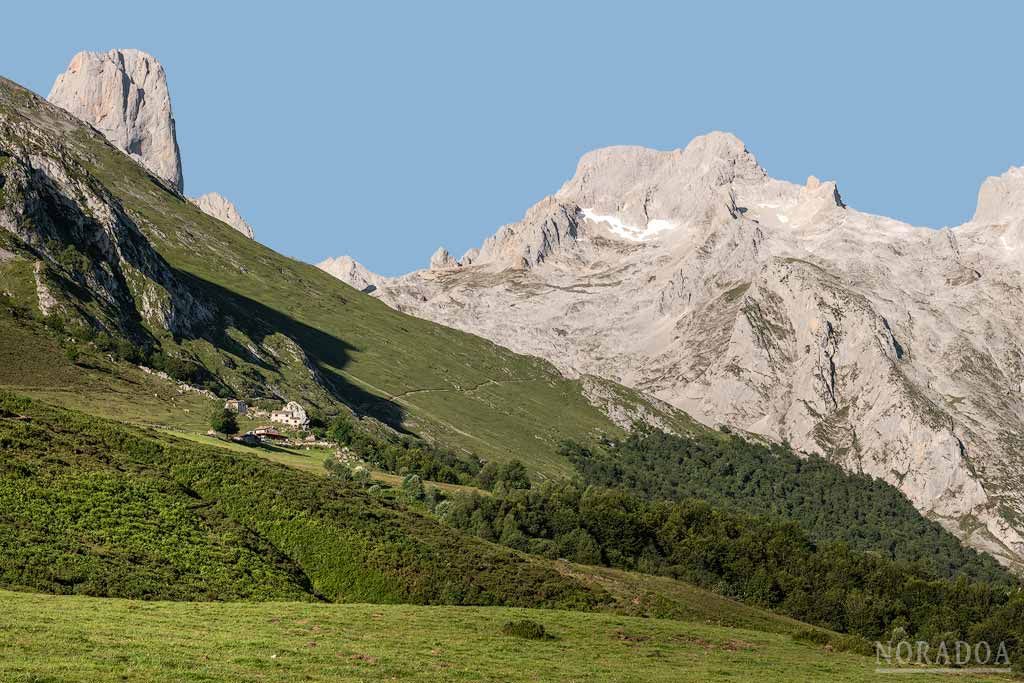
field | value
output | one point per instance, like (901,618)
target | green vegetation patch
(75,639)
(828,503)
(528,629)
(94,507)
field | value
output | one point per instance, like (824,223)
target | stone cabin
(292,415)
(236,406)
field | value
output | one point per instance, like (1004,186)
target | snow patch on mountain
(653,228)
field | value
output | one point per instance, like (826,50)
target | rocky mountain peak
(470,256)
(637,186)
(722,156)
(1001,197)
(124,95)
(442,260)
(815,198)
(353,273)
(216,205)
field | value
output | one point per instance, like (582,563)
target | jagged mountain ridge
(773,307)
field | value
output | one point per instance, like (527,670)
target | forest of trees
(406,455)
(756,523)
(826,502)
(757,560)
(403,454)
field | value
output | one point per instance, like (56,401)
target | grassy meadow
(69,639)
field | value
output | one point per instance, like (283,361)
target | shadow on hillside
(81,252)
(325,353)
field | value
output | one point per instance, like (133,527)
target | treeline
(407,455)
(403,454)
(759,561)
(826,502)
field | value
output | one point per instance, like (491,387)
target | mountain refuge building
(292,415)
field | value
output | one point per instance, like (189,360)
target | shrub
(526,628)
(487,476)
(336,469)
(412,485)
(444,510)
(360,474)
(340,430)
(837,641)
(514,475)
(504,477)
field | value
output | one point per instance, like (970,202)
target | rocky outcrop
(1001,198)
(352,273)
(773,307)
(216,205)
(442,260)
(470,257)
(123,94)
(92,264)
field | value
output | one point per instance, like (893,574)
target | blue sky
(384,130)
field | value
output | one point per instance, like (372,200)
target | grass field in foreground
(52,638)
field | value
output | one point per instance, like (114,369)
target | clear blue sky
(383,130)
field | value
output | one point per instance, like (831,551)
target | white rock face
(470,257)
(442,260)
(123,94)
(694,276)
(216,205)
(353,273)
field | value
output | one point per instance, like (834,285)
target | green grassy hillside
(108,280)
(92,507)
(84,639)
(279,327)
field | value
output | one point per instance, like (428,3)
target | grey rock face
(691,274)
(216,205)
(123,94)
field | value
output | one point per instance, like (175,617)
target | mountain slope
(93,507)
(97,508)
(95,245)
(775,308)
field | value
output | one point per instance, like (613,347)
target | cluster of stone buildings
(292,416)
